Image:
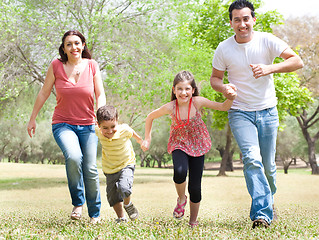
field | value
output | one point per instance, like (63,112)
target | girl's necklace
(179,121)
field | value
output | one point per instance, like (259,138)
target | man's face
(243,23)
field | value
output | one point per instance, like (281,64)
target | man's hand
(260,70)
(230,91)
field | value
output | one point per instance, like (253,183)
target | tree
(131,40)
(302,34)
(127,43)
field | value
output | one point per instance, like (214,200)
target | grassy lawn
(35,204)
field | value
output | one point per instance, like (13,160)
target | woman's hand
(31,127)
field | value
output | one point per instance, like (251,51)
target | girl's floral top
(192,138)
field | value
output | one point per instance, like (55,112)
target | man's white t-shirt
(235,58)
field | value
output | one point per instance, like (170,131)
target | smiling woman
(77,80)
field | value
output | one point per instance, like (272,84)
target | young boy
(118,160)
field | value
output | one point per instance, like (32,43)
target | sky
(293,8)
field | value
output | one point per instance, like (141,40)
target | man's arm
(216,81)
(291,63)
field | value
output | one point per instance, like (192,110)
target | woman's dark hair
(182,77)
(240,4)
(85,53)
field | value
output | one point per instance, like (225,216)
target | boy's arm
(137,137)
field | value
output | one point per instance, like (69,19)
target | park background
(140,46)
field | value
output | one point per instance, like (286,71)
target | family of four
(251,101)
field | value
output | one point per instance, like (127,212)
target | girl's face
(73,46)
(108,128)
(183,92)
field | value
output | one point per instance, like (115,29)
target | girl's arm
(41,99)
(163,110)
(98,88)
(204,102)
(137,137)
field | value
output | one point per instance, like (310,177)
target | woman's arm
(98,88)
(41,99)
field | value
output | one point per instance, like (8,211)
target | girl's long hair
(183,76)
(85,53)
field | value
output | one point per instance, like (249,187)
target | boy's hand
(145,145)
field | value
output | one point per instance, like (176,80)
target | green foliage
(291,97)
(140,45)
(211,22)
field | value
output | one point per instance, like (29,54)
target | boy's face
(108,128)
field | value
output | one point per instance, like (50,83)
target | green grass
(35,204)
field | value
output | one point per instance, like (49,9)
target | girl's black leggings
(182,163)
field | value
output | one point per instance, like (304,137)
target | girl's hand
(145,145)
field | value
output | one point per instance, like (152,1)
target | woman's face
(73,47)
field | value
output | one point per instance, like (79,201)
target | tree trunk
(305,123)
(286,164)
(226,153)
(312,157)
(229,164)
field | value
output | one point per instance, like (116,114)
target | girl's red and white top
(192,138)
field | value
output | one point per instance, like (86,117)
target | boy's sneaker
(120,220)
(131,211)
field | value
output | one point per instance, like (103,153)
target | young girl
(189,139)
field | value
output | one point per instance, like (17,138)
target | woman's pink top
(192,138)
(75,101)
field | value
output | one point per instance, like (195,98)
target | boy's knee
(124,189)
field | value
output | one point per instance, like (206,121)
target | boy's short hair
(106,113)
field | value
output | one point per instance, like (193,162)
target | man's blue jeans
(79,147)
(256,134)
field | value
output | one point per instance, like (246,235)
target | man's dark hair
(240,4)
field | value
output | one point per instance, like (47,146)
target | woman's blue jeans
(256,134)
(79,146)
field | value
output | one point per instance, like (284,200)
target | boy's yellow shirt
(117,152)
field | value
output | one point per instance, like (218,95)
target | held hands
(230,91)
(145,145)
(260,70)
